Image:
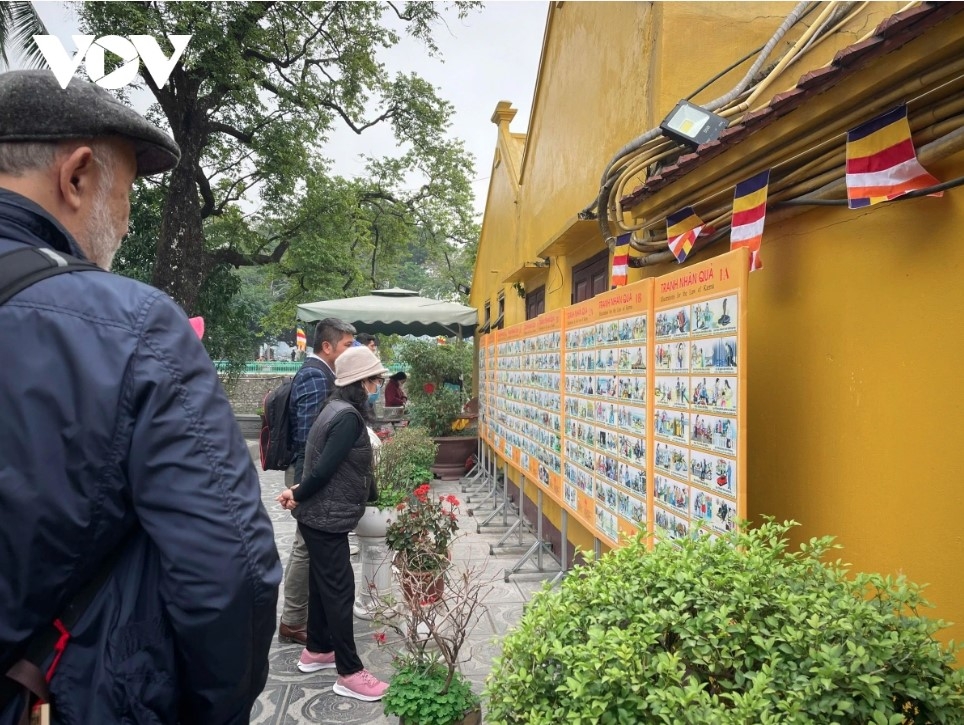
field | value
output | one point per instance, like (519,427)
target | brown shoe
(298,635)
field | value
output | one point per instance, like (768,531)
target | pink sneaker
(362,685)
(312,662)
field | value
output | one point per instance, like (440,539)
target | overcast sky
(490,56)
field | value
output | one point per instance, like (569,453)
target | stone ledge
(250,425)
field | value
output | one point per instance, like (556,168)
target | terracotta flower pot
(423,587)
(453,452)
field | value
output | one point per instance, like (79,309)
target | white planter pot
(375,522)
(375,559)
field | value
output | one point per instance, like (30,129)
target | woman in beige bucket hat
(337,484)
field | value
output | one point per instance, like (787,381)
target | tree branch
(207,194)
(237,184)
(221,127)
(357,128)
(240,259)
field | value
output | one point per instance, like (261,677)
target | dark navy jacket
(115,431)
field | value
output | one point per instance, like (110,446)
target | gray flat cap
(33,107)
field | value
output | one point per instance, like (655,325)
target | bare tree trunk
(182,264)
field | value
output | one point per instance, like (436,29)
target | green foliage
(434,411)
(423,531)
(253,105)
(418,693)
(404,461)
(137,252)
(230,318)
(233,303)
(434,371)
(19,22)
(726,632)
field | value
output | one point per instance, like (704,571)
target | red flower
(379,637)
(400,507)
(429,388)
(423,531)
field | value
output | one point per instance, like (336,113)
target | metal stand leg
(491,496)
(517,525)
(503,505)
(482,481)
(538,549)
(478,470)
(486,483)
(564,556)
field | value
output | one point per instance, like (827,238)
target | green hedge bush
(739,630)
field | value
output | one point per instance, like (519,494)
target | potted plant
(402,463)
(734,630)
(438,377)
(427,687)
(425,694)
(420,537)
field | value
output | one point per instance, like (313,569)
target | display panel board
(487,385)
(628,409)
(606,413)
(699,394)
(527,420)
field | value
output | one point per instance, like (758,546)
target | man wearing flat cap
(138,570)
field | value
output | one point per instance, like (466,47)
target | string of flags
(881,165)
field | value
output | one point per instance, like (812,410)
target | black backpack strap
(19,269)
(25,678)
(23,267)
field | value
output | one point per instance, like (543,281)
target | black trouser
(331,595)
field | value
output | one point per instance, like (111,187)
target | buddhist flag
(881,161)
(301,340)
(620,272)
(682,229)
(749,212)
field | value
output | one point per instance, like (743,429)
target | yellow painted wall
(855,349)
(853,355)
(499,233)
(855,343)
(576,126)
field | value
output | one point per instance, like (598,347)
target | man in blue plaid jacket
(309,391)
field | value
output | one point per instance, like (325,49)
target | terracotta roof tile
(787,97)
(899,21)
(858,51)
(817,78)
(733,133)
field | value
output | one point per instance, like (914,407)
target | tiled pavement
(291,697)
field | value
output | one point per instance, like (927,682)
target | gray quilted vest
(340,503)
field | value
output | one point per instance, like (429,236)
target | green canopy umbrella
(398,311)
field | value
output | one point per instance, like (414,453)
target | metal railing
(277,367)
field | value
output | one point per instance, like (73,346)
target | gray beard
(102,239)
